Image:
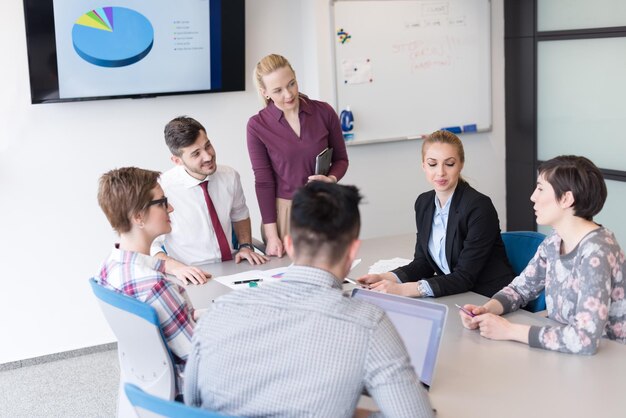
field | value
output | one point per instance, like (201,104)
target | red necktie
(217,226)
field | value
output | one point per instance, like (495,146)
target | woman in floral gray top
(580,265)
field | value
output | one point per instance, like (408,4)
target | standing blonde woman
(283,140)
(459,247)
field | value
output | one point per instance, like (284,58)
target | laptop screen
(420,324)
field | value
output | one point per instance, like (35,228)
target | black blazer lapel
(452,229)
(426,223)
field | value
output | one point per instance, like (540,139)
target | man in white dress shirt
(195,239)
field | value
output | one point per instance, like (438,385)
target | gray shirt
(299,348)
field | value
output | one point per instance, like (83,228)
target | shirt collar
(312,276)
(446,208)
(123,257)
(304,106)
(188,181)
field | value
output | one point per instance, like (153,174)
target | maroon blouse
(282,161)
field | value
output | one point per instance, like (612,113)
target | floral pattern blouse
(584,292)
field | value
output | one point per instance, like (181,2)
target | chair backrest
(520,247)
(150,406)
(145,359)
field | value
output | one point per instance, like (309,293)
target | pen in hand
(464,310)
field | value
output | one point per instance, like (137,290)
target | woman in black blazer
(458,246)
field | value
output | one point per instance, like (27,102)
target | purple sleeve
(335,140)
(264,182)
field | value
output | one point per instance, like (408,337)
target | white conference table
(477,377)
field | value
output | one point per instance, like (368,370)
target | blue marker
(461,129)
(453,129)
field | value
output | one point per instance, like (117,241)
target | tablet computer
(323,161)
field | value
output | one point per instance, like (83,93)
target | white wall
(52,233)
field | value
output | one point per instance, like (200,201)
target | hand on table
(274,247)
(495,327)
(468,321)
(188,274)
(371,279)
(251,256)
(388,283)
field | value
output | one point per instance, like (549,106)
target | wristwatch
(422,288)
(246,245)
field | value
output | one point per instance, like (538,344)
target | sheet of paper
(357,71)
(383,266)
(242,280)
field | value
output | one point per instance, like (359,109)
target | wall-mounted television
(104,49)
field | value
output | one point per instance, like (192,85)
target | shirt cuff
(533,336)
(507,306)
(425,289)
(401,275)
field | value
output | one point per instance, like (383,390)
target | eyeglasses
(161,202)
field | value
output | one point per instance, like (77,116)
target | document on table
(252,278)
(383,266)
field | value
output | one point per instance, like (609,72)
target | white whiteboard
(407,68)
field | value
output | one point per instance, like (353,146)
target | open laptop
(420,323)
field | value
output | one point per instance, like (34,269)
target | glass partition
(580,14)
(581,89)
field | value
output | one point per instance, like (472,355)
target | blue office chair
(145,359)
(150,406)
(520,247)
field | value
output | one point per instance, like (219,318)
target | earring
(141,225)
(267,97)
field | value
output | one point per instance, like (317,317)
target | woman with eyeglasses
(134,203)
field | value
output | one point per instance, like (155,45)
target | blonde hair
(443,137)
(267,65)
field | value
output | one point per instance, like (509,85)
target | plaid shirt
(143,278)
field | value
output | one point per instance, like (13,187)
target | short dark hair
(125,192)
(580,176)
(182,132)
(325,219)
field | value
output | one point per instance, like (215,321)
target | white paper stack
(383,266)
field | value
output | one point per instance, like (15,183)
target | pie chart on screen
(112,36)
